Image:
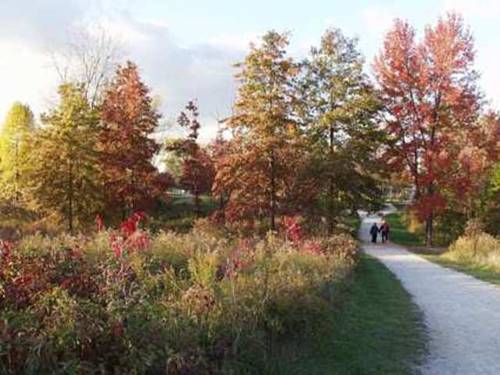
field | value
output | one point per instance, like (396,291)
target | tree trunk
(16,175)
(70,198)
(429,230)
(272,211)
(331,187)
(429,221)
(197,205)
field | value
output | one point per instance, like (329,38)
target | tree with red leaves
(432,104)
(125,143)
(197,170)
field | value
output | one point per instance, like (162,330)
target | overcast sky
(185,49)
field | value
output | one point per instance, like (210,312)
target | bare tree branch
(88,59)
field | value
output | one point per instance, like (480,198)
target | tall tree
(478,171)
(126,144)
(431,100)
(219,149)
(264,132)
(337,110)
(63,169)
(14,147)
(196,167)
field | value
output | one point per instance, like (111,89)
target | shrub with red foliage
(131,238)
(293,229)
(313,247)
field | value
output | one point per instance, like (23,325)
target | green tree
(14,148)
(337,110)
(63,171)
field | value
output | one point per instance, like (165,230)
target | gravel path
(462,314)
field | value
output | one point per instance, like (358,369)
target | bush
(127,301)
(475,247)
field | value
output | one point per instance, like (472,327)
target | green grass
(481,272)
(399,232)
(398,204)
(180,214)
(378,330)
(353,222)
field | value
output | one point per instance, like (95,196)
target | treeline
(85,160)
(313,137)
(302,141)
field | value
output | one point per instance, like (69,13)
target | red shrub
(293,229)
(131,238)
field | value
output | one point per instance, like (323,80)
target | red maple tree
(432,104)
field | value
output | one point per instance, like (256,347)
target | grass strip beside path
(378,330)
(401,236)
(399,233)
(480,272)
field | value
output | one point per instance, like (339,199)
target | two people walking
(383,230)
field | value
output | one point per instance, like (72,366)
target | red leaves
(130,225)
(430,93)
(197,166)
(293,229)
(428,205)
(131,238)
(241,258)
(125,143)
(313,247)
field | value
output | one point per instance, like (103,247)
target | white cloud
(377,18)
(175,72)
(484,9)
(25,76)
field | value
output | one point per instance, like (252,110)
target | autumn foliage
(432,108)
(197,170)
(125,145)
(184,304)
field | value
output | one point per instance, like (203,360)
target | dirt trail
(462,314)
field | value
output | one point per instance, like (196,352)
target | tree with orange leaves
(125,144)
(432,104)
(259,161)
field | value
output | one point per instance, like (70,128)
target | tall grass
(480,249)
(194,303)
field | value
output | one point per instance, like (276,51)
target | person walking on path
(374,232)
(384,229)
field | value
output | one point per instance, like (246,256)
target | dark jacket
(384,228)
